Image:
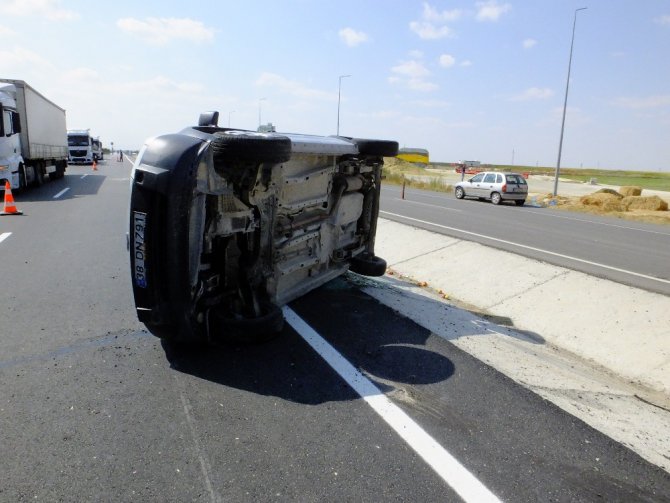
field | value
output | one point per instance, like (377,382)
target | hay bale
(603,201)
(609,191)
(653,203)
(630,190)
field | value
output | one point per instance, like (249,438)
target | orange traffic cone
(10,207)
(95,165)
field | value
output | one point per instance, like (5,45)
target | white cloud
(432,25)
(447,60)
(431,14)
(430,103)
(351,37)
(411,68)
(466,62)
(637,103)
(160,31)
(491,10)
(421,85)
(49,9)
(23,58)
(412,74)
(533,93)
(529,42)
(428,31)
(663,20)
(292,87)
(5,31)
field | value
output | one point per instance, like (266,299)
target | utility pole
(565,102)
(339,90)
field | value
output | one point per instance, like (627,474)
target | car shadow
(450,320)
(389,349)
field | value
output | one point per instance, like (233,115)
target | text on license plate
(139,249)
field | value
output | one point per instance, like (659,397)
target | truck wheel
(22,178)
(39,176)
(380,148)
(368,265)
(237,146)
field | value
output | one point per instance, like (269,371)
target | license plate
(139,249)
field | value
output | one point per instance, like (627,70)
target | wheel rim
(495,198)
(459,193)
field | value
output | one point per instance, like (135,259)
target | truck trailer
(33,136)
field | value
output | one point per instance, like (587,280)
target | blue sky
(475,80)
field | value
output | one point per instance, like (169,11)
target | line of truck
(34,140)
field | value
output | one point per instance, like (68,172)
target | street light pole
(565,102)
(339,93)
(259,110)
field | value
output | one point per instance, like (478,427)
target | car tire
(496,198)
(237,146)
(520,202)
(240,330)
(368,265)
(459,193)
(379,148)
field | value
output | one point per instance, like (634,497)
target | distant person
(121,155)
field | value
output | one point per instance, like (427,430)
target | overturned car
(228,225)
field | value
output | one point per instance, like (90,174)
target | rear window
(519,180)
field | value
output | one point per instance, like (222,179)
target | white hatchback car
(496,186)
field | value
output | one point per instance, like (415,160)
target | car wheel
(239,146)
(459,193)
(496,198)
(368,265)
(520,202)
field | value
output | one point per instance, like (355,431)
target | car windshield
(77,141)
(519,180)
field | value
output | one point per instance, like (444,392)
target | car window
(515,179)
(490,178)
(498,178)
(477,178)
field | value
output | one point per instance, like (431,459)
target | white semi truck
(98,154)
(80,145)
(33,136)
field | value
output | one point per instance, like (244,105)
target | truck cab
(10,126)
(80,146)
(97,149)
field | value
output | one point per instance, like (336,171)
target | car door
(488,185)
(473,187)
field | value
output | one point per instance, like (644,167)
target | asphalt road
(632,253)
(93,408)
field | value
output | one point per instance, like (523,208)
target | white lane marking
(61,192)
(428,204)
(438,458)
(4,236)
(583,261)
(84,176)
(205,467)
(603,223)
